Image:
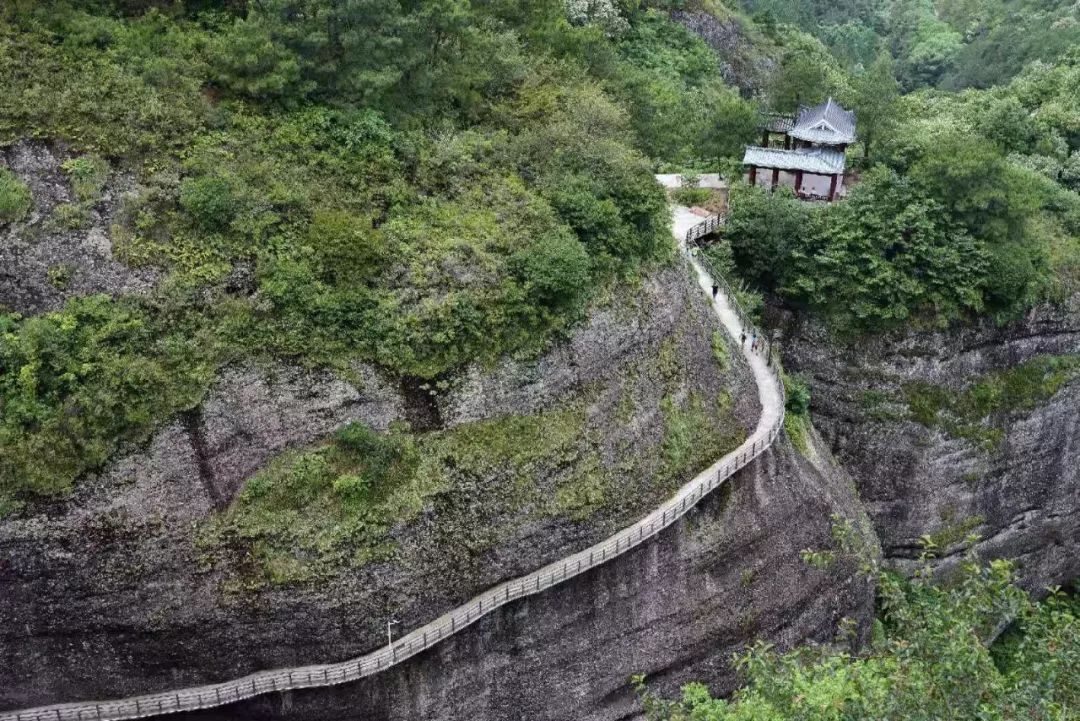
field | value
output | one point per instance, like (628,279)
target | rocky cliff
(676,610)
(138,581)
(975,430)
(63,248)
(746,58)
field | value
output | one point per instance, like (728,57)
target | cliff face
(123,588)
(976,430)
(745,61)
(675,609)
(63,248)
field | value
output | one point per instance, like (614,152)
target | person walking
(753,342)
(715,290)
(742,339)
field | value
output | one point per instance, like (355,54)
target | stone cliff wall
(110,592)
(675,610)
(948,433)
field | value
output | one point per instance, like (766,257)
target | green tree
(764,228)
(932,657)
(873,97)
(800,80)
(884,255)
(248,60)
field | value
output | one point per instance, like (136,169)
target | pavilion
(811,159)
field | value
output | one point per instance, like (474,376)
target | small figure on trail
(715,290)
(753,342)
(742,339)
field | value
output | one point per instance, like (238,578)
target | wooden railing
(226,692)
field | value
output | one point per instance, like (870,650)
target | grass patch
(693,437)
(720,350)
(976,412)
(797,430)
(952,533)
(312,513)
(88,174)
(15,198)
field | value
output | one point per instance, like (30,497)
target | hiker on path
(742,339)
(715,290)
(753,342)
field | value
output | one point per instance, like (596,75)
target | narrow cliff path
(686,226)
(769,389)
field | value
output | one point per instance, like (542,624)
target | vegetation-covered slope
(417,185)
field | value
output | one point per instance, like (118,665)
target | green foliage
(797,410)
(15,198)
(762,229)
(932,659)
(691,196)
(88,174)
(806,76)
(873,96)
(78,382)
(720,350)
(887,253)
(209,200)
(119,87)
(248,60)
(679,106)
(692,438)
(313,510)
(797,390)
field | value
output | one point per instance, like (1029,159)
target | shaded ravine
(686,227)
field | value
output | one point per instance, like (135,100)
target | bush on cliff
(932,656)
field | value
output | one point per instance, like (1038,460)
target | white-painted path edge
(687,227)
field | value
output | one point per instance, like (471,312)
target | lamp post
(389,634)
(774,337)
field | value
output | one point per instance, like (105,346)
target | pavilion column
(787,142)
(765,139)
(798,182)
(832,187)
(753,175)
(775,177)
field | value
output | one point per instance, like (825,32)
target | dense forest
(425,184)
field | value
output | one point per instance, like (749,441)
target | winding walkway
(687,227)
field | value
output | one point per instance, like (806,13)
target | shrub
(797,387)
(15,198)
(88,174)
(210,200)
(691,196)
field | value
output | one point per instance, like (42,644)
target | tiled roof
(777,122)
(823,161)
(827,123)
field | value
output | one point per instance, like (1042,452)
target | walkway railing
(423,638)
